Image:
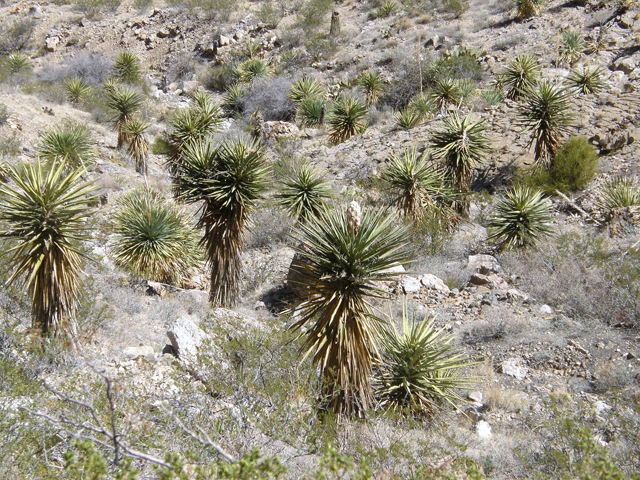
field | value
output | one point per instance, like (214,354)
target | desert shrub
(181,69)
(77,89)
(313,13)
(220,10)
(304,88)
(219,77)
(70,144)
(94,8)
(572,168)
(4,114)
(519,76)
(319,47)
(16,33)
(271,97)
(571,47)
(528,8)
(373,85)
(93,68)
(232,99)
(455,7)
(252,70)
(16,62)
(407,118)
(348,118)
(586,80)
(304,193)
(10,146)
(491,97)
(461,64)
(312,111)
(270,13)
(126,68)
(387,9)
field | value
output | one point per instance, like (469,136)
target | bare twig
(577,208)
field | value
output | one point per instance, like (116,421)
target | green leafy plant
(461,145)
(343,254)
(137,147)
(312,111)
(17,62)
(373,86)
(418,188)
(419,368)
(407,118)
(519,76)
(492,97)
(586,80)
(304,193)
(387,9)
(77,89)
(620,192)
(528,8)
(124,101)
(44,211)
(229,179)
(571,47)
(306,88)
(126,68)
(231,99)
(70,145)
(155,239)
(445,93)
(422,104)
(252,69)
(545,113)
(347,118)
(521,218)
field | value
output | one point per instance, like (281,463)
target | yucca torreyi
(519,76)
(521,218)
(586,80)
(17,62)
(347,118)
(137,146)
(306,88)
(124,101)
(407,118)
(154,237)
(545,113)
(304,192)
(417,187)
(251,70)
(311,111)
(126,68)
(77,89)
(44,212)
(70,144)
(373,85)
(342,259)
(227,180)
(445,93)
(231,98)
(620,192)
(420,368)
(571,47)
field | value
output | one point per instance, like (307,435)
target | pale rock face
(483,429)
(515,367)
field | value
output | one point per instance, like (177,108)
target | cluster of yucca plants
(571,47)
(125,102)
(521,218)
(154,237)
(304,193)
(310,97)
(44,212)
(348,118)
(69,145)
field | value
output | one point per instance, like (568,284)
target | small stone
(515,367)
(483,429)
(546,310)
(475,396)
(434,283)
(131,353)
(410,285)
(223,41)
(186,338)
(601,407)
(51,43)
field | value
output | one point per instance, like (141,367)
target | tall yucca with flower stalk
(44,212)
(137,147)
(343,255)
(461,145)
(124,101)
(227,180)
(545,113)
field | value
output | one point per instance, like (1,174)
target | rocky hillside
(155,380)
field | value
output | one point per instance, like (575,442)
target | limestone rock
(51,43)
(434,283)
(131,353)
(186,338)
(410,285)
(483,429)
(515,367)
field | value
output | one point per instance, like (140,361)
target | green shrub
(311,111)
(94,8)
(4,114)
(407,118)
(528,8)
(313,13)
(455,7)
(572,168)
(620,192)
(16,33)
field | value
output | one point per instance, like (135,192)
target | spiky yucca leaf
(407,118)
(77,89)
(347,118)
(586,80)
(44,213)
(373,86)
(155,239)
(620,192)
(124,101)
(339,268)
(461,145)
(228,179)
(519,76)
(126,68)
(305,88)
(445,93)
(418,188)
(571,46)
(70,145)
(521,218)
(419,369)
(304,193)
(311,111)
(137,146)
(545,112)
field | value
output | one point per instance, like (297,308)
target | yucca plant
(126,68)
(545,113)
(227,180)
(4,171)
(344,254)
(521,218)
(492,97)
(407,118)
(44,211)
(306,88)
(252,69)
(124,101)
(571,47)
(420,368)
(519,76)
(373,85)
(304,193)
(311,111)
(77,89)
(191,125)
(137,146)
(445,93)
(348,118)
(586,80)
(231,97)
(417,187)
(69,145)
(252,48)
(387,8)
(17,62)
(461,145)
(111,84)
(528,8)
(620,192)
(422,104)
(467,90)
(154,237)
